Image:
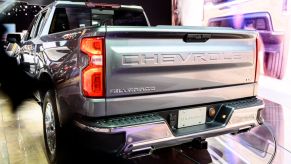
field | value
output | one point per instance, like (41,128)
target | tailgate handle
(196,37)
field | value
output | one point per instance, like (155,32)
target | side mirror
(13,38)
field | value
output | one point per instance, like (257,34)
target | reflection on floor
(21,141)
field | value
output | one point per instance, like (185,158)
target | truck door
(32,46)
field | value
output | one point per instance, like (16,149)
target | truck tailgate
(169,60)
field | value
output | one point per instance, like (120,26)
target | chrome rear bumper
(143,138)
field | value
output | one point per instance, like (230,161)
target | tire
(51,129)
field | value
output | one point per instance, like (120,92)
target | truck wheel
(51,128)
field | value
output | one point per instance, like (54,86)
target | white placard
(191,117)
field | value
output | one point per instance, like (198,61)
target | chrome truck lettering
(132,90)
(187,58)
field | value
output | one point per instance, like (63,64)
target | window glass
(60,21)
(73,17)
(129,18)
(250,23)
(261,24)
(31,32)
(41,23)
(35,29)
(226,22)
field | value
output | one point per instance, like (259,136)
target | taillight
(93,74)
(259,51)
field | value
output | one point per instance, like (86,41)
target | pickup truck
(130,88)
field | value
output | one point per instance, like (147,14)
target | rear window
(258,23)
(72,18)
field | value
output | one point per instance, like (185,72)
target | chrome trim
(83,4)
(141,152)
(50,128)
(241,117)
(69,3)
(158,134)
(132,7)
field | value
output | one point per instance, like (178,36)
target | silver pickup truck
(130,88)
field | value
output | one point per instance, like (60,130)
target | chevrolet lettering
(187,59)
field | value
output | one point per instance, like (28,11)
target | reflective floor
(21,141)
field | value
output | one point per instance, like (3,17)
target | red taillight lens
(259,51)
(92,46)
(93,73)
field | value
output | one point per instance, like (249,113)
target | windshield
(75,17)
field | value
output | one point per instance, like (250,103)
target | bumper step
(146,132)
(127,121)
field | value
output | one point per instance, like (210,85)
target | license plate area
(191,117)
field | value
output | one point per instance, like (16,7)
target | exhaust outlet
(243,130)
(260,118)
(140,152)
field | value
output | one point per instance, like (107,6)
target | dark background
(158,11)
